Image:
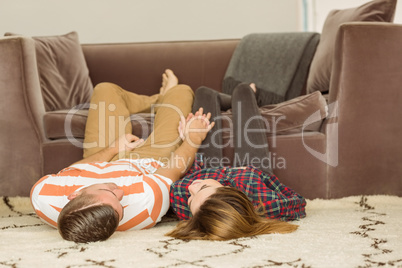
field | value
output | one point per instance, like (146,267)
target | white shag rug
(358,231)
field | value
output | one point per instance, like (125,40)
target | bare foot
(253,87)
(169,80)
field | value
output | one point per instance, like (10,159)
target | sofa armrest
(21,116)
(365,91)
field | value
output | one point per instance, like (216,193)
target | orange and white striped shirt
(145,200)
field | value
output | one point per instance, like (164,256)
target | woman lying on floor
(221,203)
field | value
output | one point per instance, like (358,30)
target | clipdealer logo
(330,157)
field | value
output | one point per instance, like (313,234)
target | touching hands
(126,142)
(195,127)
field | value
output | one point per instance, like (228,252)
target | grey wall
(98,21)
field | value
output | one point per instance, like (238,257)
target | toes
(253,87)
(170,76)
(169,80)
(169,72)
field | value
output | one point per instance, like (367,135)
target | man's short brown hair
(82,222)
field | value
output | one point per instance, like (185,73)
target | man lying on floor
(126,184)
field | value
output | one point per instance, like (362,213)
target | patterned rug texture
(357,231)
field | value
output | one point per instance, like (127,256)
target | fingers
(190,115)
(182,126)
(131,137)
(200,115)
(131,145)
(138,142)
(197,122)
(132,141)
(183,120)
(211,126)
(200,112)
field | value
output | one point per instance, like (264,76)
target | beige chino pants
(109,118)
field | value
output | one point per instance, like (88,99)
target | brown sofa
(356,150)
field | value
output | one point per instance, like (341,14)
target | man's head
(92,214)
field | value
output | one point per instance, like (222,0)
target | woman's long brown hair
(228,214)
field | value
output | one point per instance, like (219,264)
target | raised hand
(126,142)
(195,127)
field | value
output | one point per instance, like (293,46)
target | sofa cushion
(321,65)
(71,123)
(63,73)
(302,114)
(65,123)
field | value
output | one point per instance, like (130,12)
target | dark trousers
(249,136)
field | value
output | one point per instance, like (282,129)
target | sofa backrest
(138,67)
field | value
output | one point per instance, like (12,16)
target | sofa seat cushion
(301,114)
(65,123)
(71,124)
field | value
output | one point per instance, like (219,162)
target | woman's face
(201,190)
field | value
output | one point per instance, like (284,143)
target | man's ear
(73,195)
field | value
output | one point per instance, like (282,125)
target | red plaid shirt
(279,201)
